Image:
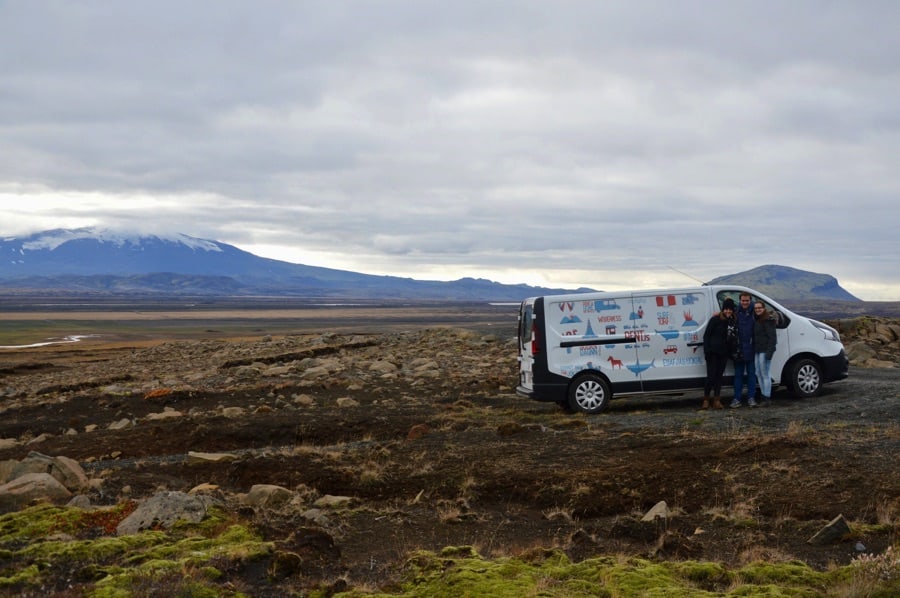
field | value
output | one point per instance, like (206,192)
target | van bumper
(525,392)
(836,367)
(546,393)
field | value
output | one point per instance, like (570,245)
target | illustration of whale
(668,334)
(639,367)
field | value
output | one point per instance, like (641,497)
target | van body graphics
(652,341)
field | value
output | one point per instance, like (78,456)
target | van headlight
(830,333)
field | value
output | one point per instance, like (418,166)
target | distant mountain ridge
(782,282)
(104,261)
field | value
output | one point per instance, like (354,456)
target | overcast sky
(585,143)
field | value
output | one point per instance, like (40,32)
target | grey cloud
(635,136)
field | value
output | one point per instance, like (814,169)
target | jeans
(763,374)
(741,368)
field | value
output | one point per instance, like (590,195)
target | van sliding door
(668,332)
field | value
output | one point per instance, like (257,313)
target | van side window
(721,296)
(781,320)
(525,319)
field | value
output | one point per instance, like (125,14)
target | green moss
(39,540)
(33,522)
(189,560)
(792,573)
(461,572)
(28,576)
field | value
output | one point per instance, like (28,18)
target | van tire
(589,393)
(805,379)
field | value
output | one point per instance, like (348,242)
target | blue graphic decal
(639,367)
(573,319)
(668,334)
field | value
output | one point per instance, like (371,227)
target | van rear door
(526,338)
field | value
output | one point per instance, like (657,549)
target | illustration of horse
(615,363)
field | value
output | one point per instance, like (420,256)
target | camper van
(581,350)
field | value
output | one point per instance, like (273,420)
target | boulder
(65,470)
(166,413)
(267,495)
(25,489)
(836,529)
(163,510)
(194,457)
(122,424)
(382,367)
(659,511)
(333,502)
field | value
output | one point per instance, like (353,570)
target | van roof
(627,293)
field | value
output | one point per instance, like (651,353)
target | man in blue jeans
(743,365)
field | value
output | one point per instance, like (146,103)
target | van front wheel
(589,393)
(806,378)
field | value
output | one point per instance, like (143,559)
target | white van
(580,350)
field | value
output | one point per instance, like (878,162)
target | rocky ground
(352,451)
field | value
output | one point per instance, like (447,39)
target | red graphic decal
(665,301)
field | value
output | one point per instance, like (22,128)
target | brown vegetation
(419,428)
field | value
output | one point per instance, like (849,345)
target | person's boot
(705,404)
(717,403)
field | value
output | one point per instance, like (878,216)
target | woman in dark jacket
(717,348)
(764,341)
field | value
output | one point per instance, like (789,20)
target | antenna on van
(688,275)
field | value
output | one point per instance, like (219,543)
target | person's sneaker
(765,402)
(735,404)
(751,402)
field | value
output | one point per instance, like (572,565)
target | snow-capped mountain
(89,251)
(103,260)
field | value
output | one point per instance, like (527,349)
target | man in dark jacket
(743,363)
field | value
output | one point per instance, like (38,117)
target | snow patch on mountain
(53,239)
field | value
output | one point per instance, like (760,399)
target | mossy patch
(460,571)
(38,542)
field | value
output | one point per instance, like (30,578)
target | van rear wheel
(589,393)
(806,378)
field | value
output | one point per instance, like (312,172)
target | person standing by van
(717,350)
(743,358)
(764,341)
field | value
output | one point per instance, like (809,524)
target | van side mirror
(781,320)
